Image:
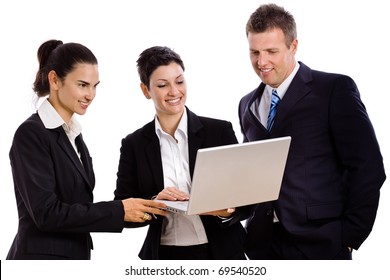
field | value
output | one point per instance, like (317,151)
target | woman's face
(74,93)
(168,90)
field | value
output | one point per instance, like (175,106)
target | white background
(348,37)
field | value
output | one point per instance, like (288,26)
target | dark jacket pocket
(324,210)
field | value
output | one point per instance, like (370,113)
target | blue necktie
(272,111)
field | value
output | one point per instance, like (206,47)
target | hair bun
(45,50)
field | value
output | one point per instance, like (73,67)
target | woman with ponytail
(52,168)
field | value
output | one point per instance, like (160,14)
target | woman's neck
(169,123)
(65,115)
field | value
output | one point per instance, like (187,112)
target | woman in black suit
(157,161)
(52,169)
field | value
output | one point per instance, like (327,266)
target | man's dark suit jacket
(54,196)
(140,174)
(330,190)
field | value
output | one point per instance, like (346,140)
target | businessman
(331,186)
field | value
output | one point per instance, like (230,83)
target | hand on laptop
(225,213)
(140,210)
(172,193)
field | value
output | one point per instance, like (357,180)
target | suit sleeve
(125,179)
(127,184)
(356,145)
(36,187)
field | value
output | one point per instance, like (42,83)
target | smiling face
(168,90)
(75,92)
(271,59)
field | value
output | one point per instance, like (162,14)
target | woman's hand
(172,193)
(140,210)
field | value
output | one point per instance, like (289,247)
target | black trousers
(195,252)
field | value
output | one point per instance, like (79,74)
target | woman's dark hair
(61,58)
(154,57)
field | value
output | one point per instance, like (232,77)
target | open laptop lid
(236,175)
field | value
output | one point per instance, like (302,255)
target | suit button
(269,212)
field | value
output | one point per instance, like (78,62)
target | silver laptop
(235,175)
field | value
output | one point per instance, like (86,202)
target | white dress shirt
(51,119)
(178,229)
(260,108)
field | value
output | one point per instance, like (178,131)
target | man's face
(271,59)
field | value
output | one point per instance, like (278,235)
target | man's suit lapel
(297,90)
(65,144)
(253,128)
(257,94)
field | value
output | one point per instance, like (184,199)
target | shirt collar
(51,119)
(182,127)
(286,83)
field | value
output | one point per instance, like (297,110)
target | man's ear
(294,45)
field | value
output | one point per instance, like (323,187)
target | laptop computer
(235,175)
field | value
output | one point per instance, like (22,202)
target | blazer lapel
(153,154)
(251,126)
(85,158)
(295,92)
(257,94)
(195,138)
(65,144)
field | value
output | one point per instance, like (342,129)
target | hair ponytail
(54,55)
